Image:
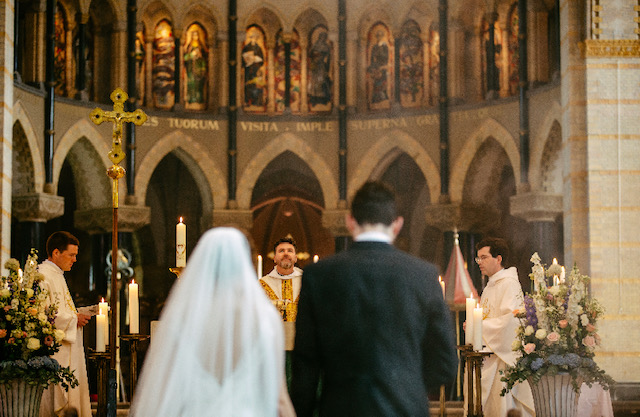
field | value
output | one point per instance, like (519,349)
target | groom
(372,321)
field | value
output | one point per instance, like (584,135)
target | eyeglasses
(483,258)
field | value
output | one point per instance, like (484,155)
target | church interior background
(267,116)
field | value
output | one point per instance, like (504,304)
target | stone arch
(152,13)
(403,142)
(490,128)
(87,130)
(539,142)
(268,17)
(309,16)
(21,116)
(288,142)
(213,187)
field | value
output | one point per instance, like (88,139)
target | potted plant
(556,339)
(28,337)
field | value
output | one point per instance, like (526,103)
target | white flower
(29,293)
(515,345)
(541,334)
(58,334)
(33,343)
(42,317)
(555,290)
(15,303)
(584,320)
(5,292)
(528,331)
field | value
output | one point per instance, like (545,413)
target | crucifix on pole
(117,116)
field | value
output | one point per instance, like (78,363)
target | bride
(219,347)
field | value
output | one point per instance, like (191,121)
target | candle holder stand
(442,402)
(176,270)
(102,359)
(473,361)
(133,340)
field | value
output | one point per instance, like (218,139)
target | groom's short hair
(60,240)
(374,203)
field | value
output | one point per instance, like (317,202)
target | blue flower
(537,364)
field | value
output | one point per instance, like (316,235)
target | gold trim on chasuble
(291,309)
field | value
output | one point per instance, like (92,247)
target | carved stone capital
(455,216)
(333,220)
(37,207)
(536,206)
(100,220)
(241,219)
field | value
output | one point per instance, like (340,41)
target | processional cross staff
(118,116)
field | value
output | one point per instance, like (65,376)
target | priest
(283,283)
(501,296)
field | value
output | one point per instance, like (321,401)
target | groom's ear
(396,226)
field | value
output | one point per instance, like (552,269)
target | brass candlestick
(102,359)
(133,340)
(473,360)
(177,270)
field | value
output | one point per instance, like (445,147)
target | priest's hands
(83,319)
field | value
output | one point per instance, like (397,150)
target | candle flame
(102,300)
(555,261)
(471,294)
(440,278)
(180,219)
(259,257)
(133,281)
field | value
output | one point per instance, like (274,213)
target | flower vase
(554,396)
(20,399)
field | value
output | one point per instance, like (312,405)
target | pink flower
(553,337)
(529,347)
(7,308)
(549,296)
(589,341)
(48,340)
(563,324)
(591,327)
(11,340)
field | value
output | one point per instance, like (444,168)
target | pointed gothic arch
(21,116)
(288,142)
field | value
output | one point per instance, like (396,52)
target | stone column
(270,44)
(238,218)
(34,43)
(352,68)
(541,210)
(456,65)
(426,54)
(69,68)
(118,62)
(304,100)
(334,221)
(215,51)
(361,78)
(148,68)
(178,103)
(538,43)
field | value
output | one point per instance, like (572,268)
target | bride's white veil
(218,349)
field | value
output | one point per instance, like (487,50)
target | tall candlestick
(315,258)
(134,309)
(259,266)
(101,322)
(181,244)
(477,328)
(442,285)
(103,308)
(468,330)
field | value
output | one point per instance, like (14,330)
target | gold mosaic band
(611,48)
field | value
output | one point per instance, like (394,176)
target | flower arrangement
(557,332)
(28,336)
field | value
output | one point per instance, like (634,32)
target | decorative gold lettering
(377,124)
(259,126)
(195,124)
(314,127)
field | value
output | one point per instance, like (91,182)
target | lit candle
(555,261)
(315,258)
(468,330)
(442,285)
(259,266)
(134,309)
(181,244)
(477,328)
(562,275)
(556,280)
(103,308)
(101,322)
(20,273)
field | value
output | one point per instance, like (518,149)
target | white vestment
(274,280)
(55,399)
(502,295)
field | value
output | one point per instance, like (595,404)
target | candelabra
(473,361)
(133,340)
(102,361)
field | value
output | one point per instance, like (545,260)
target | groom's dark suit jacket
(372,321)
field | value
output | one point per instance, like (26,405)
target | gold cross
(117,116)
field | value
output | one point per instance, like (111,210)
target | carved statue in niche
(380,69)
(163,66)
(255,71)
(411,65)
(195,68)
(320,81)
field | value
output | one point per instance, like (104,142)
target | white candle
(181,244)
(477,328)
(259,266)
(468,330)
(562,275)
(442,285)
(315,258)
(134,309)
(101,322)
(103,308)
